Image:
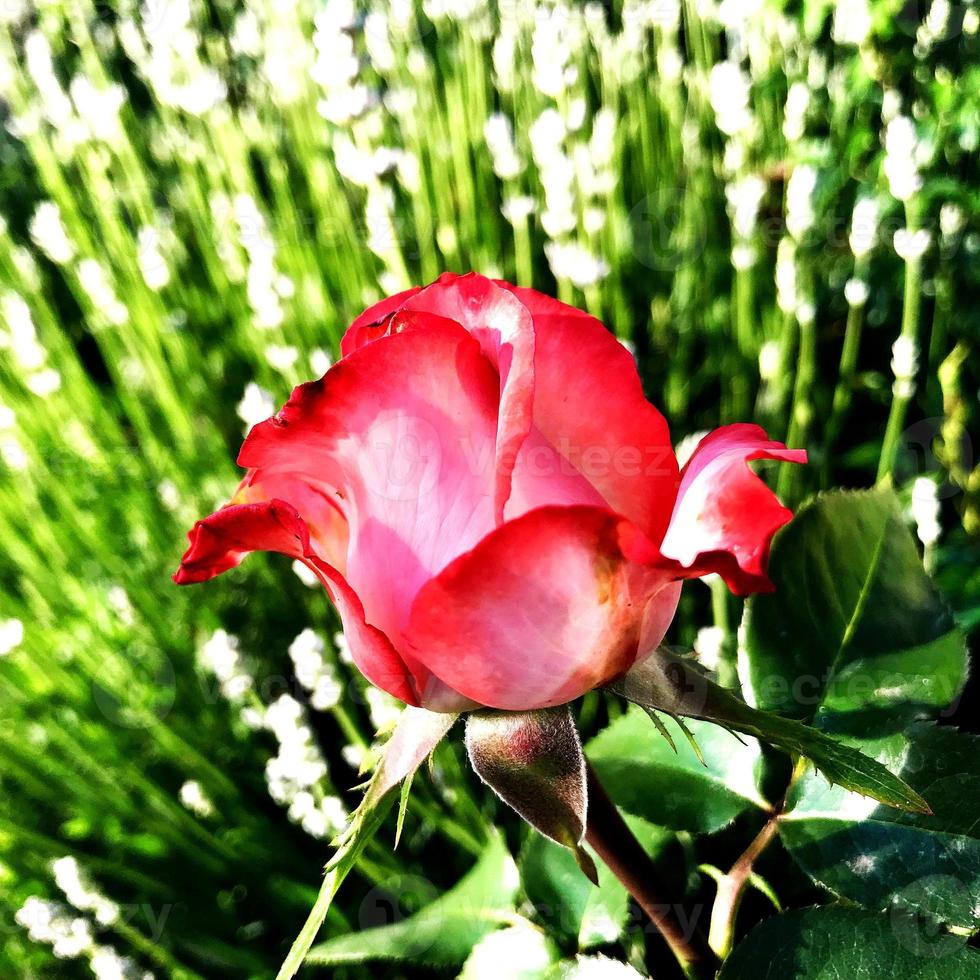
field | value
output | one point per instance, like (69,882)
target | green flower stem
(294,959)
(784,372)
(566,292)
(910,330)
(802,411)
(720,609)
(153,952)
(744,302)
(448,826)
(613,841)
(347,726)
(523,261)
(938,333)
(731,888)
(844,390)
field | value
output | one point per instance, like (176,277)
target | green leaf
(667,683)
(403,797)
(881,858)
(568,904)
(834,943)
(445,931)
(417,733)
(855,634)
(646,777)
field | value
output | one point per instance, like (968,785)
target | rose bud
(493,506)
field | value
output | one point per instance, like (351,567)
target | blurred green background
(774,205)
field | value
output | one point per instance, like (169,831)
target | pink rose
(491,503)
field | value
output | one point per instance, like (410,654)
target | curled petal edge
(220,542)
(724,516)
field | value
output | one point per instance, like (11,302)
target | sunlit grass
(196,201)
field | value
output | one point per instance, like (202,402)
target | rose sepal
(669,683)
(416,735)
(533,761)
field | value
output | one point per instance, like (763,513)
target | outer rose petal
(589,404)
(398,428)
(541,304)
(221,541)
(372,324)
(317,506)
(725,516)
(543,477)
(504,328)
(505,331)
(529,471)
(542,610)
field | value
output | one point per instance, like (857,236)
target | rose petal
(541,304)
(402,429)
(372,323)
(317,505)
(725,516)
(543,609)
(504,329)
(543,477)
(221,541)
(589,404)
